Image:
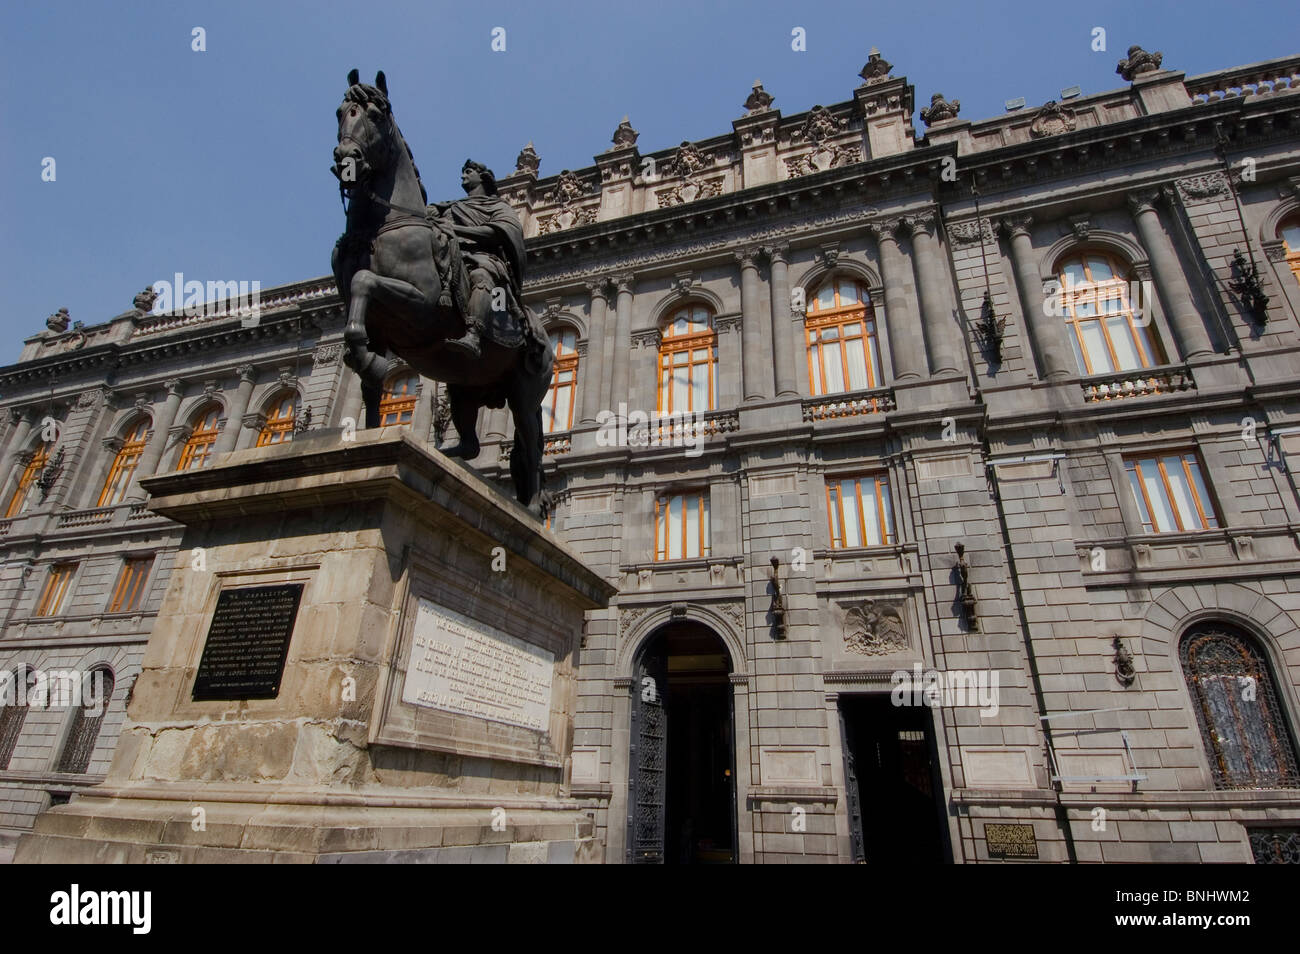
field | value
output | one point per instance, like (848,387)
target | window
(198,449)
(1103,331)
(687,354)
(398,402)
(56,588)
(130,585)
(860,511)
(278,428)
(843,351)
(682,526)
(27,493)
(124,464)
(1170,493)
(1291,239)
(557,408)
(86,722)
(16,691)
(1237,709)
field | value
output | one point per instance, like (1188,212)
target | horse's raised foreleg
(464,414)
(526,456)
(400,299)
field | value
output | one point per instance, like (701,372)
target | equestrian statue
(438,286)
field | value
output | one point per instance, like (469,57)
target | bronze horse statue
(437,286)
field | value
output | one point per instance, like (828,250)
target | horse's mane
(365,95)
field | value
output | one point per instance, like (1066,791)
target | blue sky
(215,163)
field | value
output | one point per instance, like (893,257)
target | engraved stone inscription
(465,666)
(248,642)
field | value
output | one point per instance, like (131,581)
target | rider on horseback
(491,241)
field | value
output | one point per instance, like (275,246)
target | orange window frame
(566,362)
(662,537)
(1292,254)
(672,345)
(56,588)
(124,465)
(39,459)
(278,428)
(399,406)
(1144,337)
(130,585)
(198,449)
(1204,508)
(835,508)
(838,316)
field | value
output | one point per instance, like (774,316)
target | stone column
(906,345)
(757,380)
(229,436)
(593,388)
(494,428)
(422,418)
(158,436)
(936,316)
(618,389)
(1171,283)
(1048,331)
(783,331)
(16,446)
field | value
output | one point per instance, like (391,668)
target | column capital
(625,283)
(253,420)
(921,223)
(173,387)
(1013,225)
(884,228)
(248,373)
(777,253)
(747,257)
(1143,200)
(598,287)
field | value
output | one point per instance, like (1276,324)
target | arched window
(124,464)
(87,718)
(401,391)
(198,449)
(1105,333)
(557,408)
(1291,239)
(1242,724)
(686,359)
(16,692)
(26,495)
(843,349)
(278,428)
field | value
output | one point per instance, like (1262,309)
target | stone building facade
(946,479)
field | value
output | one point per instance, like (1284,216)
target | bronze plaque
(1011,841)
(248,642)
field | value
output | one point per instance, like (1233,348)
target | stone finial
(527,162)
(1138,61)
(760,100)
(58,322)
(624,135)
(877,68)
(940,110)
(143,302)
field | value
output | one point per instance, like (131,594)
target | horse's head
(367,136)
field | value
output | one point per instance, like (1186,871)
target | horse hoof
(462,451)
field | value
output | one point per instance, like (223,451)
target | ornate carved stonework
(759,101)
(940,110)
(1203,188)
(91,398)
(688,164)
(820,125)
(1138,61)
(877,68)
(1080,226)
(624,135)
(726,324)
(818,129)
(326,354)
(736,613)
(143,302)
(1052,119)
(58,322)
(647,339)
(968,233)
(527,162)
(568,192)
(874,628)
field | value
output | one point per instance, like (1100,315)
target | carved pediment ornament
(624,135)
(1202,188)
(877,68)
(759,101)
(940,110)
(1052,119)
(527,162)
(1138,61)
(968,233)
(874,628)
(821,124)
(569,190)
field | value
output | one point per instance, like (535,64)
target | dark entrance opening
(682,801)
(895,794)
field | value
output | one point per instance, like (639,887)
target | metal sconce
(967,594)
(989,330)
(1245,283)
(50,475)
(1125,673)
(304,421)
(778,601)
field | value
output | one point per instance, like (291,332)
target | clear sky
(215,163)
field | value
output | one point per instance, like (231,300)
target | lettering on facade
(462,665)
(248,643)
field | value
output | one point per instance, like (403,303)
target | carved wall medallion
(967,233)
(1196,189)
(874,628)
(326,354)
(1052,119)
(569,191)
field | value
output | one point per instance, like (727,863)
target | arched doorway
(682,762)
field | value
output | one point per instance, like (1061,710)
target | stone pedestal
(424,709)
